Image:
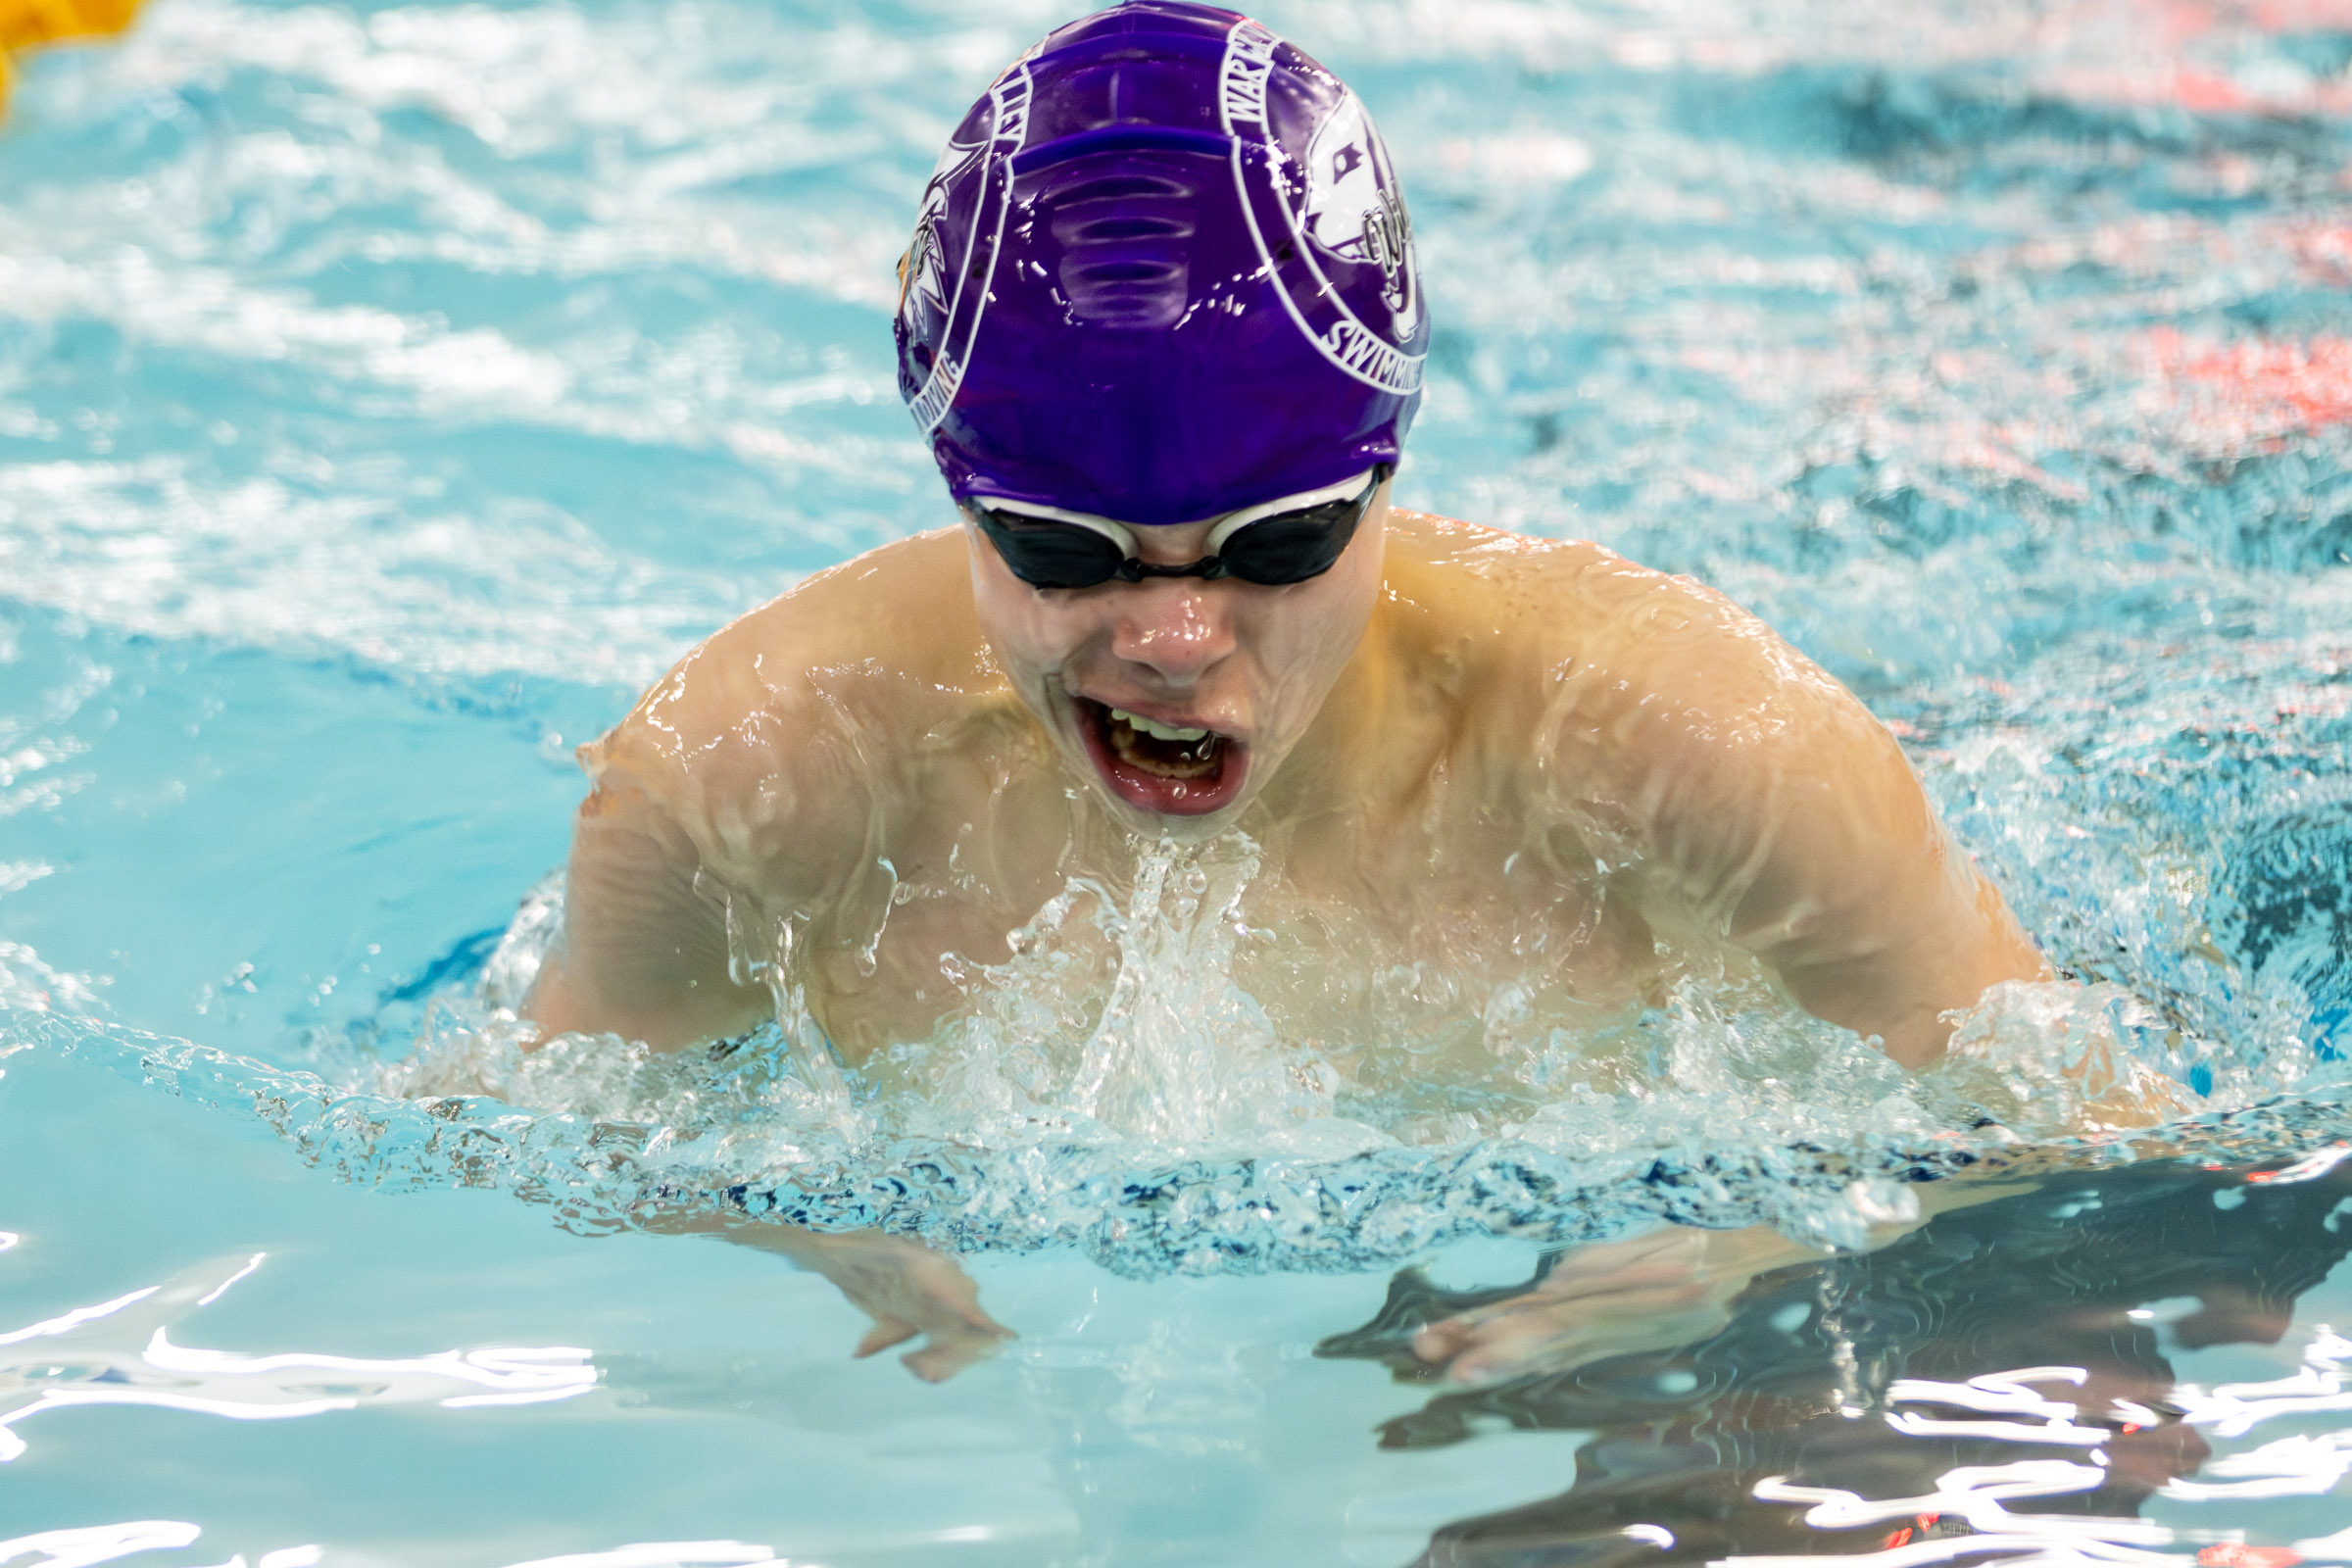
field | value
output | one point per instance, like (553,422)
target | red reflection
(2259,391)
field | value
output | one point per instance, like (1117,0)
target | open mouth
(1177,770)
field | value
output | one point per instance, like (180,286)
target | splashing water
(1165,1125)
(1993,358)
(387,394)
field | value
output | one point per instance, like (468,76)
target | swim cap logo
(921,281)
(1354,209)
(1339,199)
(925,286)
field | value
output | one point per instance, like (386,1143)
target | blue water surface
(388,393)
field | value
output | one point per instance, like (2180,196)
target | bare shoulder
(1561,607)
(1625,681)
(1525,593)
(1761,801)
(767,730)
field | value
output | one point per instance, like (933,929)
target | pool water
(386,394)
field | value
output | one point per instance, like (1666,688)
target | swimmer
(1162,329)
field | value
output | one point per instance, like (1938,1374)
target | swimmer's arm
(723,782)
(1871,913)
(644,950)
(1894,968)
(1765,801)
(1848,884)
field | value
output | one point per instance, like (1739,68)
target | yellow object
(26,24)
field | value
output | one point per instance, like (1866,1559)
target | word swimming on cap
(1163,271)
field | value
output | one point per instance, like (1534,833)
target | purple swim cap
(1163,271)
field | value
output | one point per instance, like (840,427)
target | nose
(1178,630)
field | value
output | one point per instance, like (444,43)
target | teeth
(1156,730)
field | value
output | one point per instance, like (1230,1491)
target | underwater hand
(903,1285)
(1646,1293)
(908,1288)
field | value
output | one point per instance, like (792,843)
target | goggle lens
(1288,547)
(1044,554)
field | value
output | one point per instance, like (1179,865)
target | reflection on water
(88,1546)
(659,1554)
(1994,1384)
(120,1352)
(72,1549)
(405,381)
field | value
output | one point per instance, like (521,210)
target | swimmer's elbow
(1908,991)
(1869,993)
(552,1005)
(688,1015)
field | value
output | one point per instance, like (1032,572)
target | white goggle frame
(1123,534)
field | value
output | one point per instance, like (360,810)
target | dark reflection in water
(1817,1380)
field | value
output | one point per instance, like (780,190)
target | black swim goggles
(1048,548)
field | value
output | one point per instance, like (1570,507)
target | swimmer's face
(1179,697)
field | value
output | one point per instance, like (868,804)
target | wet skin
(1455,728)
(1498,756)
